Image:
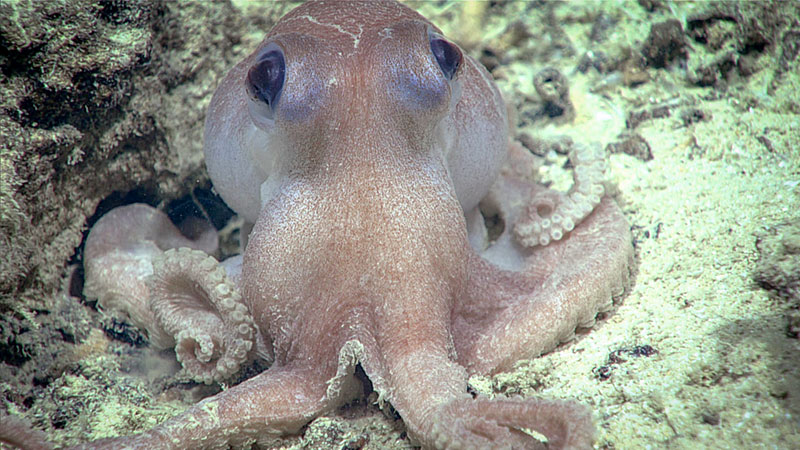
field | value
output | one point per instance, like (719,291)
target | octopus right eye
(266,77)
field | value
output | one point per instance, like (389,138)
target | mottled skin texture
(363,183)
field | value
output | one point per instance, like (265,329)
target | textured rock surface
(100,102)
(97,98)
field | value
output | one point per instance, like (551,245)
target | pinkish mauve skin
(359,142)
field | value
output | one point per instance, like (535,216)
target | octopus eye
(265,78)
(447,54)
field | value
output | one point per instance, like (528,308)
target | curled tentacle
(118,259)
(550,214)
(194,300)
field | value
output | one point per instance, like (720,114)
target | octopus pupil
(447,55)
(265,78)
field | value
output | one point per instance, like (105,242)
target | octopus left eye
(266,77)
(447,54)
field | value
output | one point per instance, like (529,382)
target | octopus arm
(523,301)
(194,301)
(139,263)
(279,401)
(118,260)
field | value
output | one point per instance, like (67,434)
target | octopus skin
(359,142)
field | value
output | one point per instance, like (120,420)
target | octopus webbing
(366,149)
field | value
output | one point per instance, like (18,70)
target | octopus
(366,152)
